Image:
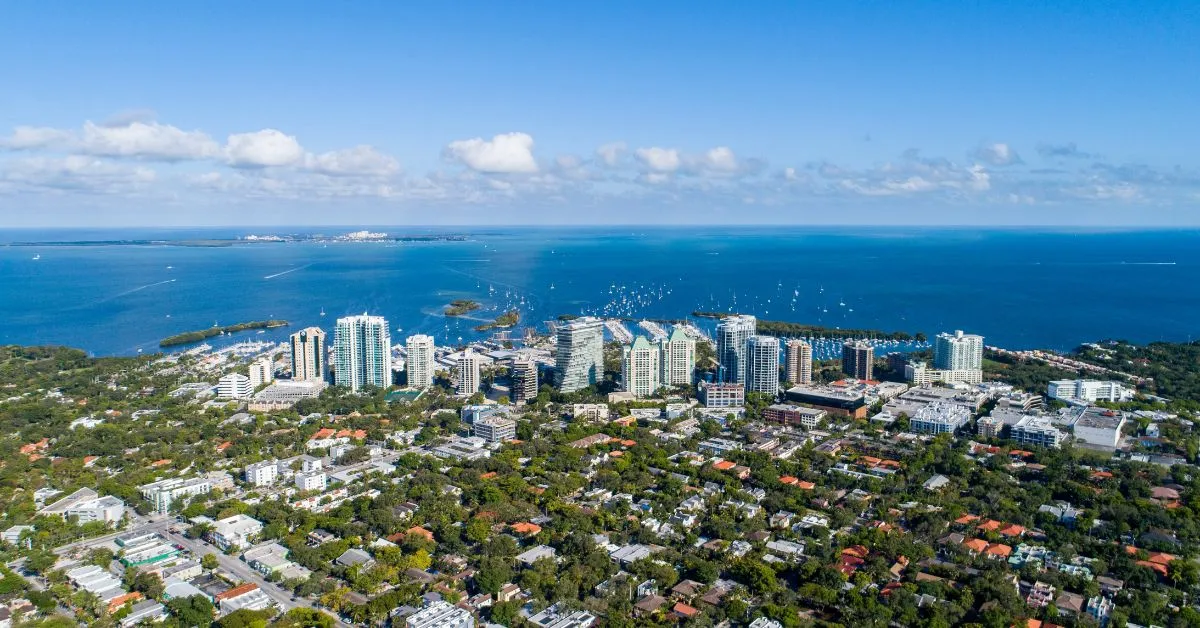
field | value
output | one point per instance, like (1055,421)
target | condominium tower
(732,333)
(858,359)
(468,373)
(579,360)
(762,364)
(640,368)
(524,381)
(677,359)
(958,352)
(799,362)
(308,354)
(362,352)
(419,365)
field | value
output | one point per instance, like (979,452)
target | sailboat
(37,257)
(322,311)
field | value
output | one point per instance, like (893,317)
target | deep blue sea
(1019,288)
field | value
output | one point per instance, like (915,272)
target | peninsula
(190,337)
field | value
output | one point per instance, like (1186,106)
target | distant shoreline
(226,242)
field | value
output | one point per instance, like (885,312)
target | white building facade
(419,365)
(362,352)
(579,360)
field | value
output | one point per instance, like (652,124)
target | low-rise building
(163,493)
(495,429)
(86,505)
(808,418)
(312,481)
(234,532)
(1099,427)
(590,412)
(440,614)
(1036,430)
(715,395)
(939,418)
(262,473)
(1088,391)
(234,386)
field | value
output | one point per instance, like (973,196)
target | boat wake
(290,270)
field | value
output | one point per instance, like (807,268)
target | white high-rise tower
(362,352)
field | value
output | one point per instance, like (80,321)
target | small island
(507,319)
(460,307)
(190,337)
(788,329)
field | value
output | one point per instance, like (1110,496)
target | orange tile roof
(528,529)
(1161,569)
(788,479)
(1013,530)
(487,476)
(120,600)
(808,486)
(1101,475)
(976,545)
(225,445)
(239,590)
(87,460)
(998,549)
(324,432)
(683,610)
(419,530)
(965,519)
(890,463)
(991,525)
(1161,558)
(858,551)
(628,443)
(615,454)
(161,463)
(724,465)
(870,460)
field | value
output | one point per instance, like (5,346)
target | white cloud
(719,159)
(610,154)
(146,141)
(505,153)
(659,159)
(997,155)
(78,173)
(358,161)
(264,148)
(36,137)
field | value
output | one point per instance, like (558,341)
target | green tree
(209,561)
(192,612)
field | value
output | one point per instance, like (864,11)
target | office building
(86,505)
(732,334)
(799,362)
(836,401)
(958,352)
(1099,427)
(858,359)
(234,386)
(262,372)
(164,493)
(468,373)
(762,364)
(419,365)
(495,429)
(524,381)
(808,418)
(677,359)
(235,532)
(714,395)
(639,368)
(308,354)
(579,360)
(1088,390)
(440,614)
(362,352)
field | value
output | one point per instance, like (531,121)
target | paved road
(155,525)
(244,572)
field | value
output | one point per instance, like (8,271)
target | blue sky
(140,113)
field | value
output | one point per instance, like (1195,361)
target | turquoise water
(1021,289)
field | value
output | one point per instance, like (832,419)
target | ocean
(1019,288)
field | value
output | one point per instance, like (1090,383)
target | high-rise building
(468,373)
(524,381)
(762,364)
(308,354)
(639,367)
(799,362)
(362,352)
(677,359)
(732,334)
(234,386)
(419,365)
(262,371)
(858,359)
(579,361)
(958,352)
